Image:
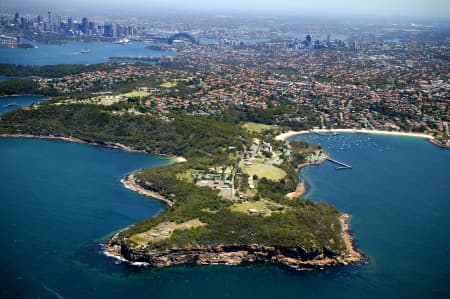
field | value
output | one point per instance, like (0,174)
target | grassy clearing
(136,94)
(164,231)
(269,172)
(169,84)
(261,207)
(186,176)
(255,127)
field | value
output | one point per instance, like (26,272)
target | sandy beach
(301,187)
(286,135)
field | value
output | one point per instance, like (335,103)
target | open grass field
(164,231)
(255,127)
(267,171)
(263,206)
(169,84)
(246,206)
(136,94)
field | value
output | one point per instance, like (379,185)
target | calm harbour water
(60,200)
(13,102)
(70,53)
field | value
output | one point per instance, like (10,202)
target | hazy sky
(427,8)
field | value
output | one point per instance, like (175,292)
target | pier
(342,165)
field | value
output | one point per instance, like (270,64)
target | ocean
(60,201)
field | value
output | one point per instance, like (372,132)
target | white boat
(124,41)
(85,51)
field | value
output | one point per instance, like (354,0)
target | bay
(9,103)
(398,194)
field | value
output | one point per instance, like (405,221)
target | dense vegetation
(300,149)
(193,137)
(303,223)
(21,86)
(273,115)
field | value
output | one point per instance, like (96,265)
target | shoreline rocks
(294,257)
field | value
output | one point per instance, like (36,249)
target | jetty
(342,165)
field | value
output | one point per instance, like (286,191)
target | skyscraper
(108,30)
(92,27)
(69,24)
(84,25)
(16,18)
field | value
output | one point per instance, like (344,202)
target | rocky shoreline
(129,182)
(236,254)
(439,144)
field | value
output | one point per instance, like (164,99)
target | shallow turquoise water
(60,200)
(70,53)
(14,102)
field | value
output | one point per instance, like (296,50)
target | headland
(226,204)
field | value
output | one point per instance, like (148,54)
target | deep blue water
(2,79)
(70,53)
(399,195)
(14,102)
(60,200)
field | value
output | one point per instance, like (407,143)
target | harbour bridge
(182,36)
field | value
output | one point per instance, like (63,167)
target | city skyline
(382,8)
